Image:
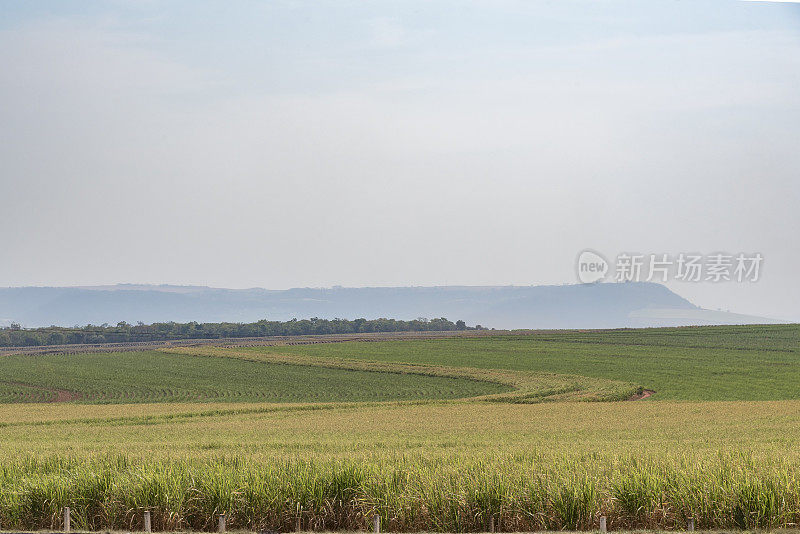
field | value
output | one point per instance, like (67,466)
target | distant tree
(124,332)
(32,339)
(56,338)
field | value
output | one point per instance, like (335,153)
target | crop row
(520,493)
(131,377)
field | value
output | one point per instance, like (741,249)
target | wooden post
(376,523)
(690,524)
(603,523)
(491,523)
(66,519)
(147,521)
(221,523)
(298,526)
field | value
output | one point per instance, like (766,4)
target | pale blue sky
(284,144)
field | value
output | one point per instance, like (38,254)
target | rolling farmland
(435,434)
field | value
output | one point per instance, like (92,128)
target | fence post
(602,523)
(690,525)
(491,523)
(298,526)
(147,521)
(221,523)
(376,523)
(66,519)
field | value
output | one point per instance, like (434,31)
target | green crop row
(455,494)
(135,377)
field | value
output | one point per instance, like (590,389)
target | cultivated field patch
(134,377)
(695,363)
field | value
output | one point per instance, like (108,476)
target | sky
(310,144)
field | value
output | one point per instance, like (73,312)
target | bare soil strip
(643,395)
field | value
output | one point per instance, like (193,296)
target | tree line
(16,336)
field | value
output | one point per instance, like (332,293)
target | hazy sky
(284,144)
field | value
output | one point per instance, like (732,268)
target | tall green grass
(410,493)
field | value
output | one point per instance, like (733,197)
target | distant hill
(567,306)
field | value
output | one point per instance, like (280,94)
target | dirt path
(643,395)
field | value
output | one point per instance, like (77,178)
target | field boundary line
(262,341)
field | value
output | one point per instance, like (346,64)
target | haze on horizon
(298,144)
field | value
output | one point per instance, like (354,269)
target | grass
(133,377)
(719,441)
(535,492)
